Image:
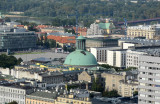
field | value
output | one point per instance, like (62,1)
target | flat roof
(16,85)
(42,95)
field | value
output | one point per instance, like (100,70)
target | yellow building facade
(149,32)
(71,100)
(40,98)
(37,101)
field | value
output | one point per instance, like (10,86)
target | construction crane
(125,24)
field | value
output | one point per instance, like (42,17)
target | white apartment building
(116,58)
(95,30)
(132,58)
(149,78)
(12,92)
(100,53)
(147,31)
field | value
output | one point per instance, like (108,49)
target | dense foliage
(13,102)
(110,94)
(109,66)
(9,61)
(64,11)
(96,85)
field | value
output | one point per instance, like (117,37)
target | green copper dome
(80,57)
(81,38)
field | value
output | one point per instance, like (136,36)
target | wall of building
(132,58)
(18,40)
(148,31)
(116,58)
(127,89)
(63,100)
(38,101)
(94,30)
(128,45)
(49,79)
(84,76)
(149,72)
(101,54)
(5,71)
(9,94)
(112,81)
(23,74)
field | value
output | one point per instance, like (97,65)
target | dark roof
(102,39)
(42,95)
(42,59)
(16,85)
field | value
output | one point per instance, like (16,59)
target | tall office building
(17,39)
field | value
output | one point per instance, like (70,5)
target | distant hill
(87,9)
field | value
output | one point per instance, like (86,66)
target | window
(113,85)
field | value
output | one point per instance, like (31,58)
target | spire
(81,43)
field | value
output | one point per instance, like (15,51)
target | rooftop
(145,27)
(60,34)
(70,39)
(43,95)
(42,59)
(16,85)
(140,41)
(106,25)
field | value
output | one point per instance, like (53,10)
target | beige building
(71,99)
(121,82)
(89,76)
(148,31)
(84,76)
(112,81)
(127,89)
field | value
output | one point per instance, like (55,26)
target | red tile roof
(82,29)
(41,26)
(20,25)
(71,39)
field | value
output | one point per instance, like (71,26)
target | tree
(19,61)
(112,93)
(65,48)
(52,43)
(96,85)
(130,68)
(13,102)
(135,93)
(109,66)
(8,61)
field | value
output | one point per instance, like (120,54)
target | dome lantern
(81,43)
